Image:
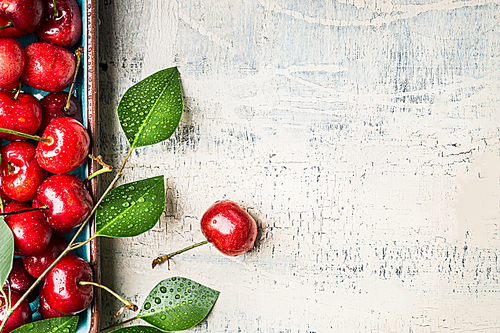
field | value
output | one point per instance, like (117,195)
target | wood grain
(362,135)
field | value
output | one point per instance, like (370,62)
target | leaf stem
(23,210)
(128,304)
(161,259)
(27,136)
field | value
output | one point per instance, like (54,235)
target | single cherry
(55,105)
(48,67)
(62,289)
(30,229)
(20,17)
(11,62)
(68,201)
(68,147)
(62,23)
(20,113)
(228,226)
(36,265)
(21,173)
(21,316)
(20,280)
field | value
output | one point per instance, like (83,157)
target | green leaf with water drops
(131,209)
(150,110)
(6,251)
(137,329)
(177,304)
(53,325)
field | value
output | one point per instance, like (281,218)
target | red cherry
(69,147)
(46,311)
(62,289)
(54,106)
(22,115)
(68,201)
(48,67)
(64,30)
(229,227)
(11,32)
(36,265)
(23,16)
(11,62)
(20,317)
(20,280)
(31,231)
(21,173)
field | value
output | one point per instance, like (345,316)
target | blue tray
(86,92)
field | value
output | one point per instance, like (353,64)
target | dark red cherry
(68,201)
(62,289)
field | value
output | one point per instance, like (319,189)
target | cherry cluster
(40,199)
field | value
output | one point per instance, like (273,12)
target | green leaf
(131,209)
(6,251)
(53,325)
(177,304)
(150,111)
(137,329)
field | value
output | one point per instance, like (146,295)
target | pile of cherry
(35,174)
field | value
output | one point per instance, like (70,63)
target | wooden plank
(363,136)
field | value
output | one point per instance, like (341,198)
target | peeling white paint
(362,135)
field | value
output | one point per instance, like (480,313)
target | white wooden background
(362,135)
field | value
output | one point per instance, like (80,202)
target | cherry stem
(106,168)
(8,25)
(128,304)
(18,91)
(56,12)
(23,210)
(161,259)
(78,54)
(27,136)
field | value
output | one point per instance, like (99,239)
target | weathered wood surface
(362,135)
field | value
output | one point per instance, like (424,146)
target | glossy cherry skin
(54,106)
(46,311)
(25,15)
(48,67)
(66,29)
(69,147)
(229,227)
(21,173)
(36,265)
(23,115)
(3,196)
(20,317)
(68,201)
(11,61)
(31,231)
(62,289)
(20,280)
